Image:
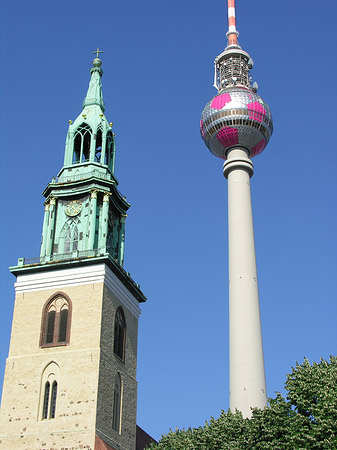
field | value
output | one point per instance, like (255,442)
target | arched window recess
(49,391)
(70,236)
(110,151)
(56,318)
(82,143)
(98,145)
(120,334)
(117,404)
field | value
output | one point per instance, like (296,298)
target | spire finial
(94,95)
(98,51)
(232,33)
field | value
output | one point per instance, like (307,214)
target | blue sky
(158,76)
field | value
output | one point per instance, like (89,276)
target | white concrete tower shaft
(247,375)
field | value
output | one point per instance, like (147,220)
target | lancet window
(49,390)
(71,238)
(82,142)
(98,146)
(120,334)
(49,401)
(117,403)
(55,329)
(46,400)
(112,244)
(109,151)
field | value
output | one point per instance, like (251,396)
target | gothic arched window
(82,142)
(117,402)
(71,238)
(120,334)
(55,327)
(48,391)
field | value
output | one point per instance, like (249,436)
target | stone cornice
(77,276)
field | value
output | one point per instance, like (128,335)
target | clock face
(73,208)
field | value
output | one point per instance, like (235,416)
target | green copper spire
(84,218)
(84,211)
(94,95)
(90,143)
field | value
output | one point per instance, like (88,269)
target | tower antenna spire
(232,33)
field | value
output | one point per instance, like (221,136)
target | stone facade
(109,366)
(84,368)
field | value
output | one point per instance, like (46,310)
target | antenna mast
(232,33)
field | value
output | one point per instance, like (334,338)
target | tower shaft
(247,375)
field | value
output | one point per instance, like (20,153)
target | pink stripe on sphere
(228,136)
(258,148)
(256,111)
(220,101)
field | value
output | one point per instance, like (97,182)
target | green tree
(305,419)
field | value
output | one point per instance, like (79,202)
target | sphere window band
(236,121)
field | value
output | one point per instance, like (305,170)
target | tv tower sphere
(237,115)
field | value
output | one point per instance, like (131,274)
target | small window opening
(77,148)
(49,401)
(50,326)
(53,400)
(119,334)
(75,238)
(109,245)
(116,413)
(63,325)
(86,146)
(46,401)
(67,240)
(108,149)
(98,149)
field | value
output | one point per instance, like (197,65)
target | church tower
(70,379)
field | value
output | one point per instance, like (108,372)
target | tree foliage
(305,419)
